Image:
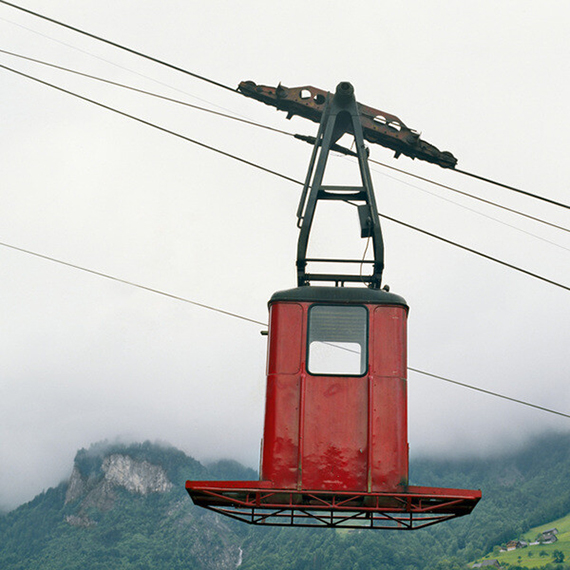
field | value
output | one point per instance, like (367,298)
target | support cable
(254,321)
(150,93)
(148,123)
(275,173)
(477,212)
(119,46)
(131,283)
(280,131)
(223,86)
(538,197)
(489,392)
(113,63)
(475,252)
(478,198)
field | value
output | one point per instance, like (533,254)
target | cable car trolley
(335,442)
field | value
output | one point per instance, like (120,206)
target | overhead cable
(110,62)
(475,252)
(119,46)
(472,196)
(275,173)
(145,92)
(218,84)
(496,394)
(477,212)
(131,283)
(538,197)
(280,131)
(254,321)
(148,123)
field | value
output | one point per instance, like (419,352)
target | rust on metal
(378,126)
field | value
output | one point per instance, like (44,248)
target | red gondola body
(327,431)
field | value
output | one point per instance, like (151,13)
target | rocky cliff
(135,476)
(131,499)
(98,489)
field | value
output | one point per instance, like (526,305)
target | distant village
(545,537)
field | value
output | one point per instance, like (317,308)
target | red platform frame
(260,503)
(335,448)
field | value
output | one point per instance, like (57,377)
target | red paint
(353,434)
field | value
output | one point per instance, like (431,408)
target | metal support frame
(256,503)
(341,115)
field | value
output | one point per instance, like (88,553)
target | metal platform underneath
(259,503)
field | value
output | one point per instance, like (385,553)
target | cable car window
(337,340)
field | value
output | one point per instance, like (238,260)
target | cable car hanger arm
(378,126)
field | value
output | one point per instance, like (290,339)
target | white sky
(83,358)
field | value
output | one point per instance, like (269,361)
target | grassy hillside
(541,554)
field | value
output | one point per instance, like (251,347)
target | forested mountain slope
(125,507)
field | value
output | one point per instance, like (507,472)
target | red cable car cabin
(335,446)
(335,414)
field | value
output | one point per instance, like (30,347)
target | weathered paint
(337,433)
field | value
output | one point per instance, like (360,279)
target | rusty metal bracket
(378,126)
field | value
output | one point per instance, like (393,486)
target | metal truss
(262,506)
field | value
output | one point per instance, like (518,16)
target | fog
(84,358)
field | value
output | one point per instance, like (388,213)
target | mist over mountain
(124,506)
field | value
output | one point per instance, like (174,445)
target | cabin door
(334,399)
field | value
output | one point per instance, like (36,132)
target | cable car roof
(339,295)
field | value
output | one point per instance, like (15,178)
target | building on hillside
(548,536)
(515,544)
(487,564)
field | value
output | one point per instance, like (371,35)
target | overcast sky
(83,358)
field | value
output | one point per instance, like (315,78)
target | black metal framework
(341,115)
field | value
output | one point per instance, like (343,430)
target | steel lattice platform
(258,503)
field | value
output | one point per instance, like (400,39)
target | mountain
(125,507)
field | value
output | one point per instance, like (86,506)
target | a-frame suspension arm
(341,115)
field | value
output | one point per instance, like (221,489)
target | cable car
(335,444)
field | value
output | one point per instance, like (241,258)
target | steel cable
(254,321)
(280,131)
(275,173)
(226,87)
(118,46)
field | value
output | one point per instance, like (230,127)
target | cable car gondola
(335,444)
